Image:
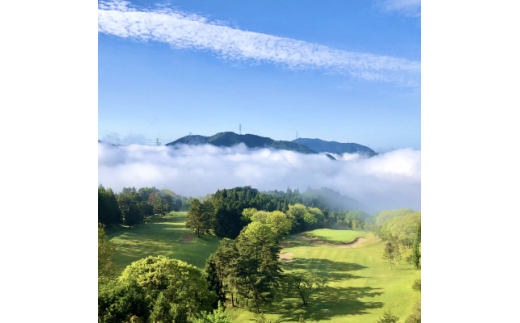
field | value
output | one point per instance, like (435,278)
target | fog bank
(388,181)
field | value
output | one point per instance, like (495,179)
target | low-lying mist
(390,180)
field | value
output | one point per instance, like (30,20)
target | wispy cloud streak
(182,30)
(410,8)
(390,180)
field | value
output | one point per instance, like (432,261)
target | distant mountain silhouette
(334,147)
(228,139)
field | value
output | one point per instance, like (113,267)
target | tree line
(132,206)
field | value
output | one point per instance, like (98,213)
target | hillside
(322,146)
(386,215)
(228,139)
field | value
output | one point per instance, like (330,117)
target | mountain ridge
(228,139)
(334,147)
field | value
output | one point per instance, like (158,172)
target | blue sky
(345,70)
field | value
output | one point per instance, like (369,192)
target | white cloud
(389,180)
(182,30)
(410,8)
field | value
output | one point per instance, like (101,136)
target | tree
(106,250)
(415,317)
(215,283)
(199,217)
(258,268)
(208,215)
(108,208)
(162,310)
(388,317)
(416,251)
(417,285)
(389,254)
(279,222)
(227,221)
(225,260)
(129,203)
(121,301)
(218,316)
(183,287)
(297,211)
(305,284)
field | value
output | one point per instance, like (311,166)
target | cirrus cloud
(184,30)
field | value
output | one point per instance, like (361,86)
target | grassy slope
(361,287)
(162,237)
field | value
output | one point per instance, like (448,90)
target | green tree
(259,216)
(162,310)
(279,222)
(183,287)
(108,208)
(297,211)
(106,250)
(415,317)
(388,317)
(227,221)
(258,268)
(247,214)
(416,251)
(417,285)
(389,254)
(120,301)
(215,281)
(208,215)
(225,260)
(305,284)
(129,202)
(218,316)
(199,217)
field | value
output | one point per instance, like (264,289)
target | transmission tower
(239,129)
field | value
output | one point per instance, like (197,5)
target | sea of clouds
(389,180)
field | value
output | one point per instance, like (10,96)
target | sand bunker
(286,257)
(354,244)
(304,238)
(187,238)
(285,244)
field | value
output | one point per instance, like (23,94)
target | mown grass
(336,236)
(161,236)
(361,285)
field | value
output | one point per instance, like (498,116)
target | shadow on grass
(333,271)
(327,304)
(322,265)
(152,226)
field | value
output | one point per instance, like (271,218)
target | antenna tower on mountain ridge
(239,129)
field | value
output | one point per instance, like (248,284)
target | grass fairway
(338,236)
(361,285)
(161,237)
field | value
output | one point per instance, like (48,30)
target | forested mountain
(228,139)
(322,146)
